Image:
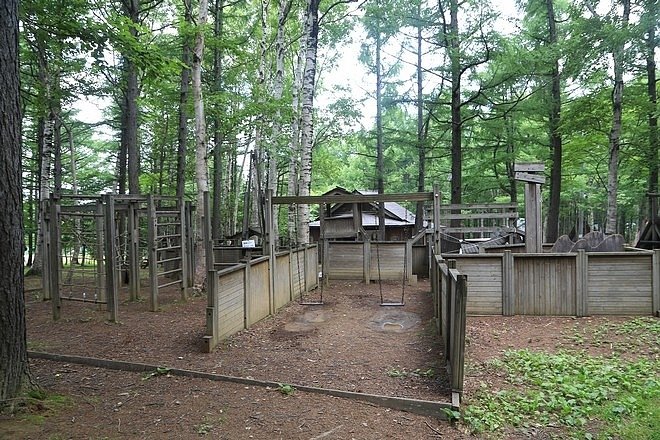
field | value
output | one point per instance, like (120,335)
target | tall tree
(615,41)
(615,132)
(554,120)
(201,165)
(182,140)
(421,131)
(130,94)
(311,36)
(13,345)
(651,22)
(380,163)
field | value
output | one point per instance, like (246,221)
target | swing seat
(311,303)
(396,304)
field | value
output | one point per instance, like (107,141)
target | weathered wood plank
(353,198)
(422,407)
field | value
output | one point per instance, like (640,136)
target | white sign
(247,243)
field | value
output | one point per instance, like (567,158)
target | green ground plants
(590,397)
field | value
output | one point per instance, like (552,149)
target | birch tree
(201,165)
(311,36)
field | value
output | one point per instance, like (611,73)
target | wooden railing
(562,284)
(449,291)
(245,293)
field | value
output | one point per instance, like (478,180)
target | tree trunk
(615,132)
(74,190)
(132,11)
(182,145)
(421,147)
(57,148)
(380,165)
(554,119)
(13,346)
(218,138)
(456,119)
(307,116)
(294,155)
(201,166)
(652,91)
(261,138)
(278,89)
(510,154)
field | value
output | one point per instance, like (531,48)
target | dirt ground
(350,343)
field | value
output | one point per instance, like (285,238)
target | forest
(179,97)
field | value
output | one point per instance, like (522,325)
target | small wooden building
(343,221)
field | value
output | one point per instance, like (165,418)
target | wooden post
(408,255)
(323,242)
(152,253)
(270,233)
(357,219)
(133,252)
(436,219)
(656,282)
(582,285)
(304,266)
(508,288)
(211,313)
(459,320)
(53,255)
(247,300)
(100,251)
(206,232)
(110,257)
(366,260)
(183,230)
(45,237)
(533,222)
(292,285)
(190,237)
(529,173)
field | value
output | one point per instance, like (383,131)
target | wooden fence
(242,295)
(347,260)
(578,284)
(449,289)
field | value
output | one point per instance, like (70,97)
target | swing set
(386,255)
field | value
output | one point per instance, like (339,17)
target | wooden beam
(528,177)
(529,167)
(479,215)
(489,206)
(353,198)
(415,406)
(477,229)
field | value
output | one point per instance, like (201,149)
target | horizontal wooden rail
(415,406)
(353,198)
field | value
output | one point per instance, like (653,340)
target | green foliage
(566,389)
(286,389)
(159,371)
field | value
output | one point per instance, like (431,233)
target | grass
(641,333)
(588,397)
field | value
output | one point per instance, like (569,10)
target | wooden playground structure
(93,243)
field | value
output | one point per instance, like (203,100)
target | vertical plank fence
(240,296)
(449,290)
(562,284)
